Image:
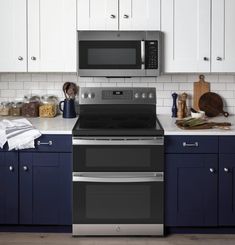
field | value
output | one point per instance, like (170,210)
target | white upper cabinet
(52,36)
(223,36)
(97,14)
(139,14)
(118,14)
(13,49)
(186,30)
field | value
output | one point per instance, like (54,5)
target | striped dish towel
(19,134)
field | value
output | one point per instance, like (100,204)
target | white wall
(17,85)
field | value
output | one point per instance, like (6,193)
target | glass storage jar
(30,107)
(5,108)
(16,107)
(49,106)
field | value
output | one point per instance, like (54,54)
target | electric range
(118,163)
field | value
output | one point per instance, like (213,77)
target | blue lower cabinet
(191,190)
(45,188)
(227,190)
(8,188)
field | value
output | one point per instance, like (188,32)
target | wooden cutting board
(212,104)
(199,88)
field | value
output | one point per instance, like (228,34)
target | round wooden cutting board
(212,104)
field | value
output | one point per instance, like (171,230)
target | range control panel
(117,95)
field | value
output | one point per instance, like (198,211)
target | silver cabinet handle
(20,58)
(219,58)
(212,170)
(185,144)
(25,168)
(11,168)
(44,143)
(33,58)
(226,170)
(126,16)
(205,58)
(112,16)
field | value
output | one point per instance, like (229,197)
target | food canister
(5,108)
(30,107)
(49,106)
(16,107)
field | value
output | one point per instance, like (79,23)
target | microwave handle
(142,55)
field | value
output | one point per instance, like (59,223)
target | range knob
(91,95)
(151,95)
(84,96)
(143,95)
(137,96)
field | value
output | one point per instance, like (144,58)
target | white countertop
(168,123)
(59,125)
(55,125)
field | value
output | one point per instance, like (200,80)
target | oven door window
(117,158)
(118,203)
(109,55)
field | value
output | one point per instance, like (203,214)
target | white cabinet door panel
(223,36)
(97,14)
(13,54)
(186,28)
(52,36)
(139,14)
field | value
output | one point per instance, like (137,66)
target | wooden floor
(67,239)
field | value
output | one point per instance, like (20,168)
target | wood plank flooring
(67,239)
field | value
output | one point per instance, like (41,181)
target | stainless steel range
(118,163)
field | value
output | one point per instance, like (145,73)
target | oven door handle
(142,55)
(118,179)
(154,141)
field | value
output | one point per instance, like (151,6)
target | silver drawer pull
(44,143)
(226,170)
(190,144)
(212,170)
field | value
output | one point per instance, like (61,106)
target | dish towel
(19,133)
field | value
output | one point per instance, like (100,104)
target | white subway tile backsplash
(16,85)
(39,77)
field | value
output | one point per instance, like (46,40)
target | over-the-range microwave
(119,53)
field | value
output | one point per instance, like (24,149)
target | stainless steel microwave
(119,53)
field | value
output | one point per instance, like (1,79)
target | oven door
(115,154)
(118,204)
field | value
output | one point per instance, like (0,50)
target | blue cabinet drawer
(53,143)
(227,144)
(191,144)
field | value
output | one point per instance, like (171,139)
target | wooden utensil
(212,104)
(199,88)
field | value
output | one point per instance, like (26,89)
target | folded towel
(19,133)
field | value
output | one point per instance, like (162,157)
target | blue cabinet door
(8,187)
(227,189)
(45,188)
(191,189)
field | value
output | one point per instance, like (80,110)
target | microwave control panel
(151,54)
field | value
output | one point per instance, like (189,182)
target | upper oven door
(100,54)
(110,155)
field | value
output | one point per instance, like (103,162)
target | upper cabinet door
(139,14)
(186,28)
(52,36)
(13,36)
(97,14)
(223,36)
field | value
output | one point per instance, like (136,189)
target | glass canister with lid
(5,108)
(16,107)
(30,107)
(49,106)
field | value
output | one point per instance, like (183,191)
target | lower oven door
(118,204)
